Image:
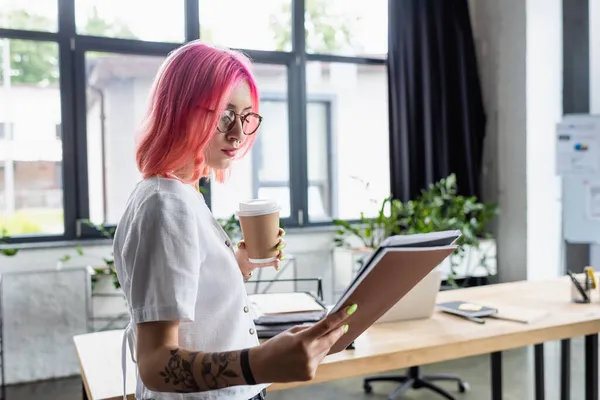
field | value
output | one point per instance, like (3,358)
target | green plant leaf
(9,252)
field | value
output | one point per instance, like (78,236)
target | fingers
(280,256)
(299,328)
(331,322)
(281,245)
(281,232)
(327,341)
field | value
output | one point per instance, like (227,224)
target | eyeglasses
(250,122)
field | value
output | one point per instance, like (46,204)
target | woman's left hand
(247,268)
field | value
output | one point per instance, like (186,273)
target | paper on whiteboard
(577,148)
(592,194)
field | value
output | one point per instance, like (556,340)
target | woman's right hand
(294,355)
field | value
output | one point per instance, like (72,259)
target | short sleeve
(162,250)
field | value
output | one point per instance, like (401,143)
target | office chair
(414,379)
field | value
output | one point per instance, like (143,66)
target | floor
(517,378)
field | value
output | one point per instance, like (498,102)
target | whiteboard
(581,209)
(578,145)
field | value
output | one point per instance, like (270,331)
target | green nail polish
(280,247)
(282,233)
(346,328)
(352,309)
(281,258)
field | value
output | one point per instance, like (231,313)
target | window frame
(72,48)
(329,102)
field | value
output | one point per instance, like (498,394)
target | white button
(246,309)
(251,331)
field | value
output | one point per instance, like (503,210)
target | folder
(388,274)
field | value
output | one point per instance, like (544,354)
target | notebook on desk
(503,312)
(285,309)
(388,274)
(466,309)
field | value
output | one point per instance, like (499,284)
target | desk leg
(539,371)
(591,367)
(497,375)
(565,369)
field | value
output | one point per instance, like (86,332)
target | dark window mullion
(124,46)
(297,120)
(27,35)
(192,32)
(332,58)
(66,31)
(192,23)
(80,107)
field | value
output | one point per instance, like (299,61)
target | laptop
(418,303)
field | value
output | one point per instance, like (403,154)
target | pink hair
(191,88)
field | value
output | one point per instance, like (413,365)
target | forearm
(183,371)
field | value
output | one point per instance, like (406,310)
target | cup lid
(257,207)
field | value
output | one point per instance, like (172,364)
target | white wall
(544,110)
(519,48)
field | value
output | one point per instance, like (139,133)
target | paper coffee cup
(259,220)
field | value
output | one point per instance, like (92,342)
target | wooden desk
(391,346)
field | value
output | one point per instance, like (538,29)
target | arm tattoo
(178,371)
(215,370)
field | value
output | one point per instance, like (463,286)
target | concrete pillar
(519,44)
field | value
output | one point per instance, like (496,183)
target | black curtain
(437,120)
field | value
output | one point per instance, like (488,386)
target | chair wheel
(463,387)
(367,387)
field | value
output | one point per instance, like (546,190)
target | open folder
(388,274)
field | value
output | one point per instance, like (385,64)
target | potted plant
(439,207)
(107,269)
(231,226)
(6,251)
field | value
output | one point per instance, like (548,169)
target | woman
(191,333)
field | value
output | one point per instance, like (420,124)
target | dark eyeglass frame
(243,120)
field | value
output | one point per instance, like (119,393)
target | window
(6,129)
(159,21)
(117,88)
(321,182)
(32,196)
(75,79)
(358,148)
(269,157)
(271,27)
(35,15)
(346,27)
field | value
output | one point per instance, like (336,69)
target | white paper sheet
(577,147)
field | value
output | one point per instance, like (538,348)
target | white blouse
(175,262)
